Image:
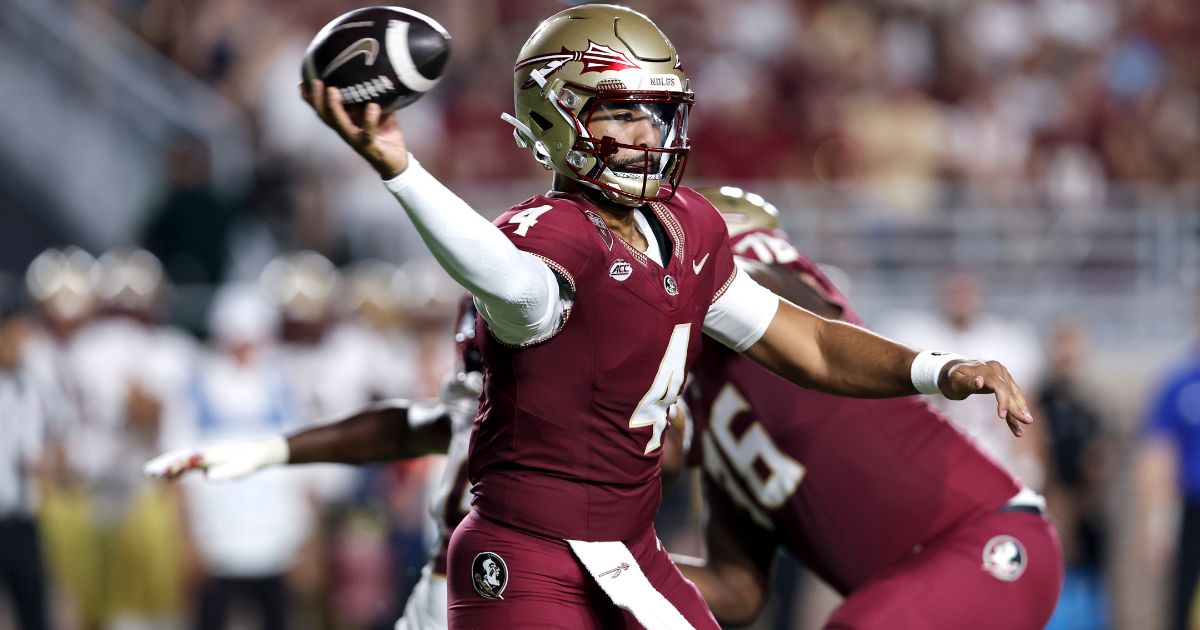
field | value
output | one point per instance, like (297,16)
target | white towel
(618,574)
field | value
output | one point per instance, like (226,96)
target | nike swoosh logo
(366,46)
(697,266)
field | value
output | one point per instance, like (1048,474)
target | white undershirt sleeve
(517,294)
(742,314)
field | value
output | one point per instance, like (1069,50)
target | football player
(593,298)
(382,432)
(883,499)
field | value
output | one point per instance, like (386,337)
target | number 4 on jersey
(664,391)
(527,218)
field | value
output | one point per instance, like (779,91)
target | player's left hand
(964,378)
(224,461)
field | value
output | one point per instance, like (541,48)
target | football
(385,55)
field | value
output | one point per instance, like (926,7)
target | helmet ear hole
(541,121)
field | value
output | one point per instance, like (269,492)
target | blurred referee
(21,439)
(1171,463)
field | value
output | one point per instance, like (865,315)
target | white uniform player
(386,431)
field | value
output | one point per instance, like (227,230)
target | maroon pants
(500,577)
(1001,570)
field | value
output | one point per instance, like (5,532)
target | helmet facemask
(630,142)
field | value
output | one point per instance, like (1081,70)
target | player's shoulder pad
(705,225)
(556,229)
(701,211)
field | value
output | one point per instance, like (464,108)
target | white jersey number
(664,391)
(767,248)
(528,218)
(780,475)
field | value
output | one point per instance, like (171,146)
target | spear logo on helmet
(597,58)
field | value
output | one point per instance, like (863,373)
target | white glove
(224,461)
(460,395)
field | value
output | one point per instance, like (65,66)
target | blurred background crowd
(186,255)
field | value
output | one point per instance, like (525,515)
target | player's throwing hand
(371,133)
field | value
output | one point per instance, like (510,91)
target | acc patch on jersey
(489,575)
(620,270)
(1004,557)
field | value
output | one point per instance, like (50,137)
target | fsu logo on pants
(489,575)
(1004,557)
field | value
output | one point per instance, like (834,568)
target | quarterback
(593,299)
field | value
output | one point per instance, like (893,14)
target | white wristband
(274,450)
(926,368)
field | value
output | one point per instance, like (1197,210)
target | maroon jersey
(567,442)
(850,486)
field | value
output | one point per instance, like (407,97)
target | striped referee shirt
(22,434)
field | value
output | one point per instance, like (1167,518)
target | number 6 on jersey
(664,391)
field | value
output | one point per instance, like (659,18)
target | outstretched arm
(518,294)
(847,360)
(385,431)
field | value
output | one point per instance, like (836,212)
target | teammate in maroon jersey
(593,298)
(883,499)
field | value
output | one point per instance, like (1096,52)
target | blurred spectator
(817,70)
(305,288)
(428,300)
(189,230)
(377,317)
(326,373)
(1170,465)
(1079,469)
(902,137)
(247,533)
(963,326)
(22,422)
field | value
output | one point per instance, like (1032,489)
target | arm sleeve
(740,316)
(517,293)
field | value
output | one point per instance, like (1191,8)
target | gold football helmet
(590,67)
(303,285)
(743,211)
(131,279)
(63,283)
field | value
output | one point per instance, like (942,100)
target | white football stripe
(401,58)
(352,25)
